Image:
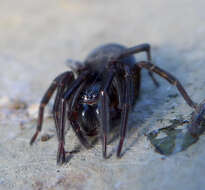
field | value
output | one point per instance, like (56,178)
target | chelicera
(102,89)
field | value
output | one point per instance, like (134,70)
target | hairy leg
(137,49)
(45,101)
(67,97)
(105,111)
(125,109)
(170,78)
(56,108)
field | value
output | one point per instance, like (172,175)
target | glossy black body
(96,62)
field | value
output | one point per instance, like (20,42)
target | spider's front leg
(76,128)
(105,111)
(56,83)
(59,95)
(67,100)
(73,116)
(127,101)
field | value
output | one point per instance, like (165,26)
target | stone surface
(36,40)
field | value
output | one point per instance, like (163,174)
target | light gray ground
(37,37)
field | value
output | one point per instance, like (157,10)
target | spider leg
(59,94)
(65,99)
(56,109)
(105,112)
(125,109)
(76,95)
(137,80)
(76,128)
(73,117)
(119,83)
(61,150)
(137,49)
(171,79)
(75,85)
(45,101)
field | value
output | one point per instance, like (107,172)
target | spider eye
(94,96)
(85,97)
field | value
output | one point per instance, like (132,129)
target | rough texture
(37,37)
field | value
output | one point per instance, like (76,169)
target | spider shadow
(79,148)
(70,154)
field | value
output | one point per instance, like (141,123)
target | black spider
(105,89)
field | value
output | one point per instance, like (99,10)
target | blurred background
(36,39)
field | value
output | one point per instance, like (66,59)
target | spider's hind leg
(141,48)
(171,79)
(127,102)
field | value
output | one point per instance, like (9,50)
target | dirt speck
(45,137)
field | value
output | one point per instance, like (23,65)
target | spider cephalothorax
(105,89)
(91,94)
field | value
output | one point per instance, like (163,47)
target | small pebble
(45,137)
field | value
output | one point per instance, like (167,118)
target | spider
(102,89)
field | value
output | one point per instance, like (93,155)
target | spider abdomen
(100,57)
